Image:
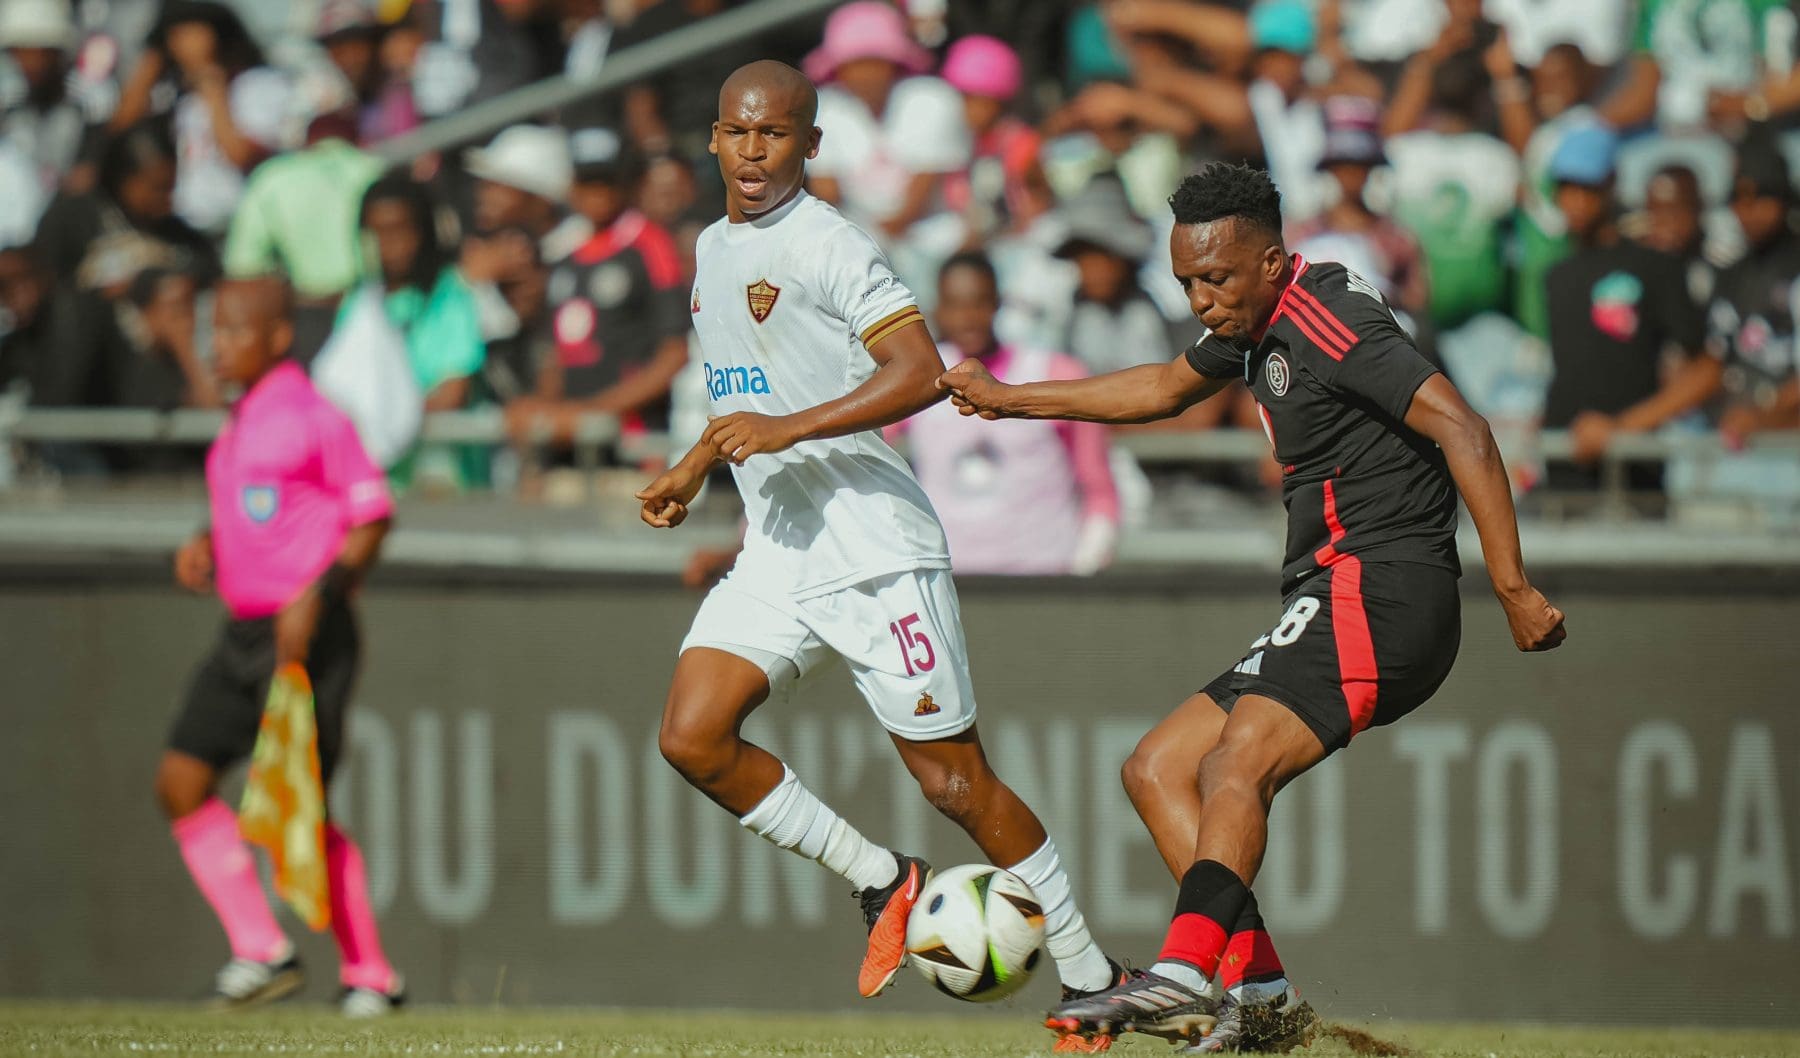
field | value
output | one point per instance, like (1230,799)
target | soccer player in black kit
(1374,444)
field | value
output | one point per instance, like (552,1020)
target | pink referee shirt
(288,480)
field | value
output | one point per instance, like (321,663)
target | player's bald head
(262,299)
(773,88)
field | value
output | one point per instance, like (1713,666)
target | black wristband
(335,585)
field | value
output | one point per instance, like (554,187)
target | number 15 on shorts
(915,645)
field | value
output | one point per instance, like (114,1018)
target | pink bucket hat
(984,66)
(868,29)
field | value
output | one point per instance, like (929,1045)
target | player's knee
(178,794)
(1151,771)
(693,749)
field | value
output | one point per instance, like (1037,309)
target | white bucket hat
(36,24)
(529,157)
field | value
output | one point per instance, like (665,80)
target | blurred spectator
(299,213)
(1037,288)
(352,37)
(229,109)
(1016,496)
(1349,231)
(1273,112)
(102,239)
(587,34)
(22,198)
(1673,222)
(1615,308)
(1756,307)
(299,216)
(420,289)
(1032,29)
(522,179)
(673,110)
(1692,54)
(1005,151)
(164,369)
(464,52)
(1600,29)
(22,292)
(55,341)
(1560,89)
(668,194)
(892,135)
(1115,323)
(619,308)
(38,118)
(1454,185)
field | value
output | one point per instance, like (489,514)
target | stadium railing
(627,67)
(595,433)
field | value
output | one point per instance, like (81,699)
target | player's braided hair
(1221,189)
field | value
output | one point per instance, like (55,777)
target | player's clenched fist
(1536,625)
(666,499)
(742,434)
(974,390)
(194,564)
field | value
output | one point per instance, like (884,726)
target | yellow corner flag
(284,799)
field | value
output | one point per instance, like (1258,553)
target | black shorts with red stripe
(1359,644)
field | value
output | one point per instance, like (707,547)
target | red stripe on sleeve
(1327,318)
(1302,313)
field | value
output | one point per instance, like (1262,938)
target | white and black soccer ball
(977,932)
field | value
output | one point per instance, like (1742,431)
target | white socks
(794,818)
(1182,973)
(1079,961)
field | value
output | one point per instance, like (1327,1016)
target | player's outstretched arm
(1439,412)
(907,366)
(665,500)
(1137,394)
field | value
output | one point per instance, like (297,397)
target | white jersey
(786,306)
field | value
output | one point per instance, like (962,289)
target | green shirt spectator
(1543,233)
(1455,191)
(299,216)
(443,332)
(1688,51)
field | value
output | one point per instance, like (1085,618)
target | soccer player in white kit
(812,345)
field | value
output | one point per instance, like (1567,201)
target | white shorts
(900,634)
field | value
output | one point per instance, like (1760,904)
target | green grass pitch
(88,1030)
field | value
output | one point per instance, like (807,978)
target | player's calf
(183,784)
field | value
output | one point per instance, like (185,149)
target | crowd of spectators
(1583,209)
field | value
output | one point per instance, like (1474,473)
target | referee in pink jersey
(298,513)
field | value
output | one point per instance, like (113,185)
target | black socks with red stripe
(1206,916)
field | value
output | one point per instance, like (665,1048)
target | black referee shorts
(223,710)
(1358,645)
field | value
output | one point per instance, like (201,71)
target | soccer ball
(976,933)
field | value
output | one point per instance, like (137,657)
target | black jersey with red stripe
(1333,377)
(614,301)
